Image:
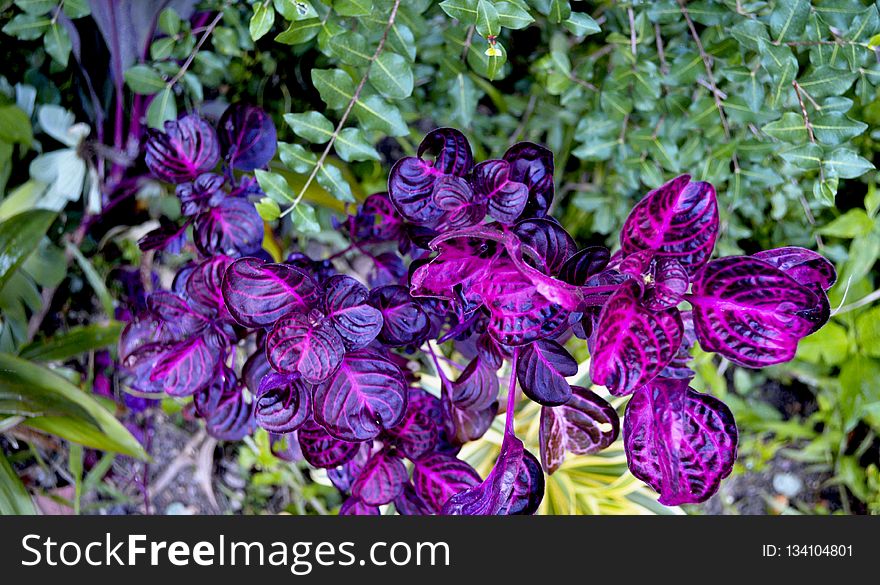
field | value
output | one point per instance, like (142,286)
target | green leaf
(392,76)
(806,156)
(15,126)
(169,22)
(275,186)
(334,86)
(304,219)
(36,7)
(829,345)
(859,385)
(261,21)
(295,9)
(144,80)
(27,27)
(14,497)
(300,31)
(751,34)
(846,164)
(296,158)
(836,128)
(488,24)
(851,224)
(313,126)
(352,145)
(332,180)
(20,236)
(57,43)
(162,48)
(268,209)
(464,99)
(463,10)
(353,7)
(78,340)
(868,332)
(790,128)
(826,81)
(559,11)
(94,279)
(788,19)
(62,408)
(162,109)
(579,24)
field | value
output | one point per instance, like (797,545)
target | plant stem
(511,394)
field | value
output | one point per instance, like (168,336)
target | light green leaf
(579,24)
(20,236)
(70,344)
(788,19)
(76,8)
(353,7)
(463,10)
(488,24)
(57,43)
(313,126)
(144,80)
(162,109)
(392,76)
(36,7)
(851,224)
(15,126)
(27,27)
(262,20)
(14,497)
(846,164)
(275,186)
(304,219)
(334,86)
(868,332)
(295,9)
(829,345)
(352,145)
(300,31)
(296,158)
(835,128)
(790,128)
(169,22)
(332,180)
(268,209)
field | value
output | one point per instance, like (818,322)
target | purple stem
(444,381)
(511,394)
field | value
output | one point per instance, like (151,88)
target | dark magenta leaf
(454,196)
(258,293)
(232,227)
(283,403)
(203,286)
(476,388)
(583,265)
(201,194)
(805,266)
(465,425)
(357,322)
(528,491)
(255,369)
(248,137)
(354,507)
(321,449)
(438,477)
(233,419)
(584,425)
(678,368)
(378,220)
(632,344)
(532,165)
(185,367)
(541,370)
(187,148)
(680,442)
(305,344)
(404,320)
(751,312)
(506,198)
(416,434)
(381,480)
(285,447)
(168,237)
(668,284)
(451,151)
(409,503)
(365,395)
(678,220)
(550,242)
(176,313)
(344,476)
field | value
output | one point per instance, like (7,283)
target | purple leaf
(283,403)
(176,313)
(409,503)
(506,198)
(366,395)
(344,476)
(583,265)
(168,237)
(248,137)
(377,220)
(532,165)
(255,369)
(584,425)
(381,479)
(541,370)
(185,368)
(203,286)
(682,443)
(454,196)
(476,387)
(257,293)
(416,434)
(233,418)
(345,300)
(322,450)
(438,477)
(678,220)
(678,367)
(550,242)
(632,344)
(232,227)
(305,344)
(466,425)
(354,507)
(411,182)
(669,283)
(201,194)
(404,320)
(751,312)
(187,148)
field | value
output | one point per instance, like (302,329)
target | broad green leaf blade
(392,76)
(78,340)
(20,236)
(14,497)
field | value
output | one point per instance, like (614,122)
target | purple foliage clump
(464,254)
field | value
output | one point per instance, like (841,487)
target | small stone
(787,484)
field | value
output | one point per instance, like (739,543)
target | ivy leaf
(790,128)
(488,24)
(751,34)
(262,21)
(836,128)
(144,80)
(807,156)
(57,43)
(825,81)
(463,10)
(788,19)
(845,163)
(392,76)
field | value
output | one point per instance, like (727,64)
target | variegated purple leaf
(258,293)
(357,322)
(465,425)
(201,194)
(283,403)
(321,449)
(232,227)
(678,368)
(185,367)
(415,435)
(409,503)
(305,344)
(476,388)
(678,220)
(532,165)
(454,196)
(377,220)
(248,137)
(168,237)
(404,320)
(541,370)
(187,148)
(203,286)
(354,507)
(506,198)
(285,447)
(255,369)
(366,395)
(751,312)
(680,442)
(233,418)
(632,344)
(584,425)
(550,242)
(438,477)
(583,265)
(381,480)
(669,283)
(411,181)
(344,476)
(176,313)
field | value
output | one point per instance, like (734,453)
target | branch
(354,99)
(210,29)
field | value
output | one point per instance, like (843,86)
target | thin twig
(866,300)
(661,53)
(800,99)
(177,77)
(351,103)
(467,42)
(632,30)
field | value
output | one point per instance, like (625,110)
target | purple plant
(333,365)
